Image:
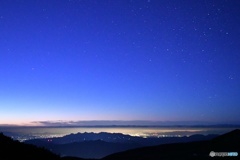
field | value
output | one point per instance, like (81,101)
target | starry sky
(148,60)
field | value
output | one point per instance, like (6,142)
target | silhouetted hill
(200,150)
(91,149)
(87,149)
(232,136)
(11,150)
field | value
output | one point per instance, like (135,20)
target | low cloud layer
(120,123)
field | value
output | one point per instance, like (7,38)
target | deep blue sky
(157,60)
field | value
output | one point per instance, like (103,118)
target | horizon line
(118,123)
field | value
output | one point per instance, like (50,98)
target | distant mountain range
(197,150)
(99,145)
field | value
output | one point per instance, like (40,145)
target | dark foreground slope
(14,150)
(229,142)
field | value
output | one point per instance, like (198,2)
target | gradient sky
(156,60)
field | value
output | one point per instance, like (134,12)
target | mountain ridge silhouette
(198,150)
(103,144)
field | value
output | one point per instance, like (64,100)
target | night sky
(149,60)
